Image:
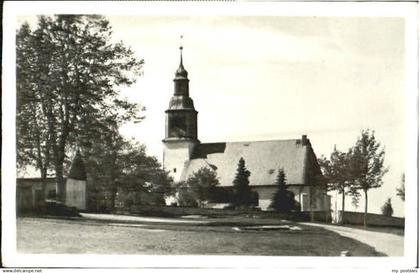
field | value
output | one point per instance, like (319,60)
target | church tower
(180,125)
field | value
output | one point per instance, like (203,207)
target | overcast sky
(256,78)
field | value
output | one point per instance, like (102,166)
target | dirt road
(386,243)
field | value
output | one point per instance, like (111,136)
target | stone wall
(29,192)
(356,218)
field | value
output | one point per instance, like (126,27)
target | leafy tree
(33,139)
(68,78)
(123,167)
(336,174)
(241,190)
(387,209)
(103,166)
(283,200)
(184,195)
(367,165)
(401,189)
(355,198)
(199,188)
(203,183)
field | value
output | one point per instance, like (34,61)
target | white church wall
(322,201)
(301,193)
(174,157)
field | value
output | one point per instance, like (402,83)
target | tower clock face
(177,126)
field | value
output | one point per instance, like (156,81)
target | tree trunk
(343,202)
(42,166)
(42,205)
(114,190)
(113,176)
(366,207)
(60,183)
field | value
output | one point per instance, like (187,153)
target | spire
(181,48)
(180,53)
(181,73)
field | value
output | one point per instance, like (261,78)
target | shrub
(387,209)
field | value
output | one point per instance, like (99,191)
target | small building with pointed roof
(76,184)
(29,191)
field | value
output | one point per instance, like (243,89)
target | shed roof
(32,180)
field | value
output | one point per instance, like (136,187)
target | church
(184,154)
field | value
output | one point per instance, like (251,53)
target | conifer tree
(387,209)
(242,194)
(283,200)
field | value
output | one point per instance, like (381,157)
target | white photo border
(406,10)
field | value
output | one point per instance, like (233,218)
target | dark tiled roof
(181,73)
(262,159)
(181,103)
(203,150)
(32,180)
(77,168)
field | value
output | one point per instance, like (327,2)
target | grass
(37,235)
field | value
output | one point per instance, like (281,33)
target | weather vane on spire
(180,47)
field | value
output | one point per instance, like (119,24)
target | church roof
(262,158)
(181,73)
(181,103)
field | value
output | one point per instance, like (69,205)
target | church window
(174,170)
(177,126)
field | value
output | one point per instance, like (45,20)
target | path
(129,218)
(389,244)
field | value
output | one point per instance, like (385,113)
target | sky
(269,77)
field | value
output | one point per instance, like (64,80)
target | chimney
(304,140)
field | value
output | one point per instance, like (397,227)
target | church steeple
(181,125)
(181,79)
(181,116)
(181,73)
